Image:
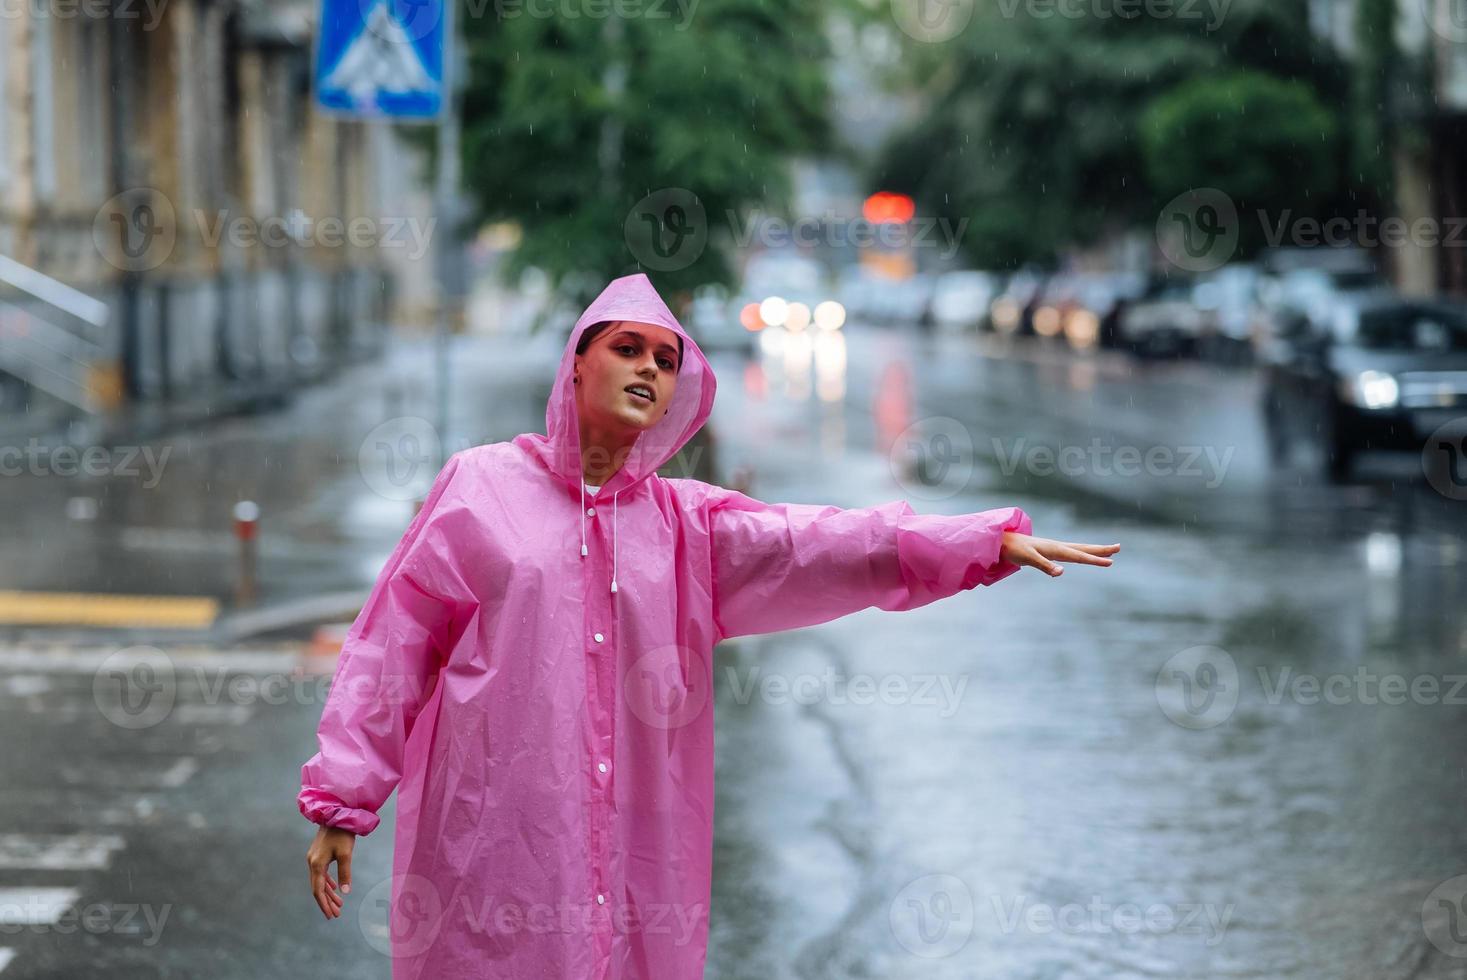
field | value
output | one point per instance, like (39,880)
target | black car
(1380,373)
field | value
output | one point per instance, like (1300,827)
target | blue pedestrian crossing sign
(382,58)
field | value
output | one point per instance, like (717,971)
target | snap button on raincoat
(535,679)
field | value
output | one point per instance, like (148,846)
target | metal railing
(51,335)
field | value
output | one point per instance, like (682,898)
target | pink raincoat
(533,671)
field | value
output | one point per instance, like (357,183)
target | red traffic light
(885,207)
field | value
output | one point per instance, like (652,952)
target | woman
(534,666)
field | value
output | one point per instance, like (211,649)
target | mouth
(641,392)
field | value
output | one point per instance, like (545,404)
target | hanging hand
(331,846)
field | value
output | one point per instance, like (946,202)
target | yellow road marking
(101,609)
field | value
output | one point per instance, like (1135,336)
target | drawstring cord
(613,540)
(583,520)
(615,498)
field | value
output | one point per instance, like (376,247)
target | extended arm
(783,566)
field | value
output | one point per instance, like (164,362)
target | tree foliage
(1269,144)
(1035,126)
(570,121)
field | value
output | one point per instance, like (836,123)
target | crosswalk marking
(58,852)
(210,714)
(101,609)
(24,685)
(6,955)
(84,660)
(35,906)
(179,773)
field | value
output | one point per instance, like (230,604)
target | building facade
(164,160)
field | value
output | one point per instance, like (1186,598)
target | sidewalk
(336,471)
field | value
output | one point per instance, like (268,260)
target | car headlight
(1371,389)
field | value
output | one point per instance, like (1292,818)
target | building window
(6,119)
(43,108)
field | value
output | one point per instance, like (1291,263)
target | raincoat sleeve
(387,670)
(784,566)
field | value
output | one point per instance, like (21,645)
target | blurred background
(1190,275)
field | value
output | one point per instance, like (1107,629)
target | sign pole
(445,190)
(369,64)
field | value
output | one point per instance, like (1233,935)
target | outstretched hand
(1044,554)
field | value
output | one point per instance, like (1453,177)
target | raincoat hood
(628,298)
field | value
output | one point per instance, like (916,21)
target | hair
(596,329)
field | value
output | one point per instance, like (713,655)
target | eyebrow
(640,336)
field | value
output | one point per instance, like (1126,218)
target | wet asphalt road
(1236,753)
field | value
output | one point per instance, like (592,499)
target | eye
(665,363)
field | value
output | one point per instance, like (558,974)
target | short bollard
(246,529)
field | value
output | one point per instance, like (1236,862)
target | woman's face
(627,356)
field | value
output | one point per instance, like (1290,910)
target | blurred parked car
(785,291)
(1013,311)
(857,291)
(1056,298)
(1164,321)
(1230,300)
(714,322)
(1308,295)
(1091,307)
(1383,373)
(960,300)
(904,300)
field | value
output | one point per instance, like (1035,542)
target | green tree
(570,121)
(1269,144)
(1033,126)
(1378,71)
